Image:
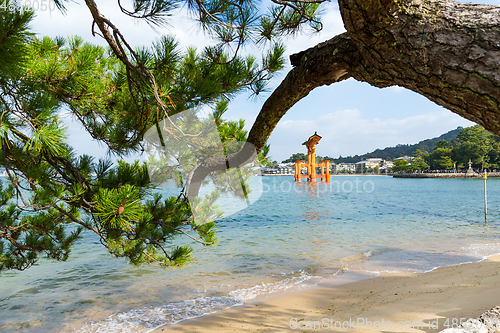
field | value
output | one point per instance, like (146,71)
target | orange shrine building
(311,164)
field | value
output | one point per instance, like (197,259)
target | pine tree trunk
(446,51)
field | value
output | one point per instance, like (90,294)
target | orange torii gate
(311,162)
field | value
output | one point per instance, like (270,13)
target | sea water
(294,236)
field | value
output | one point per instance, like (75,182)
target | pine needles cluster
(51,195)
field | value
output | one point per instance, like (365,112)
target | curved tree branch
(325,63)
(446,51)
(322,64)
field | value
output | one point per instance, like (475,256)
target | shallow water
(293,236)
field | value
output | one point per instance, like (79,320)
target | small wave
(393,260)
(246,294)
(368,253)
(149,318)
(483,250)
(364,254)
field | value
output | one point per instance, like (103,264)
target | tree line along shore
(444,157)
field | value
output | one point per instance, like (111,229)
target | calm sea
(294,236)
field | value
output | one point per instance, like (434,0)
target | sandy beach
(427,302)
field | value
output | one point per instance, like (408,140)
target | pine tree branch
(114,39)
(77,221)
(194,238)
(17,245)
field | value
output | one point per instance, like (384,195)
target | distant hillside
(401,150)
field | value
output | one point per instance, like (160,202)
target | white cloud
(347,132)
(332,26)
(396,89)
(78,21)
(80,139)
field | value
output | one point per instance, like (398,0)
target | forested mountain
(452,150)
(391,153)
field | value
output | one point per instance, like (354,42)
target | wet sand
(427,302)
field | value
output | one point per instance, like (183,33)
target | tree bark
(446,51)
(323,64)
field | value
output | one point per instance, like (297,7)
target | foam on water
(146,319)
(389,260)
(362,266)
(285,241)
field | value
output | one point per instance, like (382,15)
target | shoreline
(331,175)
(391,302)
(450,175)
(447,175)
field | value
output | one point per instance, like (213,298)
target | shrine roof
(313,139)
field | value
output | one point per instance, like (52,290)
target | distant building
(406,158)
(280,169)
(347,167)
(386,166)
(369,163)
(285,165)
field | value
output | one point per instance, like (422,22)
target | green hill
(392,153)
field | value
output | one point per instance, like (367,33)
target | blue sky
(352,117)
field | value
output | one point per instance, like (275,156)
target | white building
(386,166)
(406,158)
(371,163)
(348,167)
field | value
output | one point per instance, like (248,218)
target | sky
(352,117)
